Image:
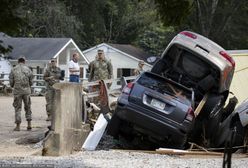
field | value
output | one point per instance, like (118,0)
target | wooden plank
(186,152)
(138,151)
(201,104)
(168,151)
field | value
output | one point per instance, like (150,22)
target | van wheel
(182,145)
(113,126)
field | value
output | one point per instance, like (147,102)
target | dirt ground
(20,155)
(8,137)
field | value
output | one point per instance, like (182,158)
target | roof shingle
(131,50)
(34,48)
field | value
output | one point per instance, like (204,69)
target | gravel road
(109,159)
(13,155)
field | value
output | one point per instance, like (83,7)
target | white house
(5,68)
(39,51)
(123,57)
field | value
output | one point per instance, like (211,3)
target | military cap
(100,51)
(53,59)
(21,59)
(141,62)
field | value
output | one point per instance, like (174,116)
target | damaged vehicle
(186,88)
(157,107)
(228,126)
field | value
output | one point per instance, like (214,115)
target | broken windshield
(164,86)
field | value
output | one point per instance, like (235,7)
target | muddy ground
(8,137)
(28,155)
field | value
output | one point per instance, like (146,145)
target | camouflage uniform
(100,70)
(21,79)
(139,69)
(51,76)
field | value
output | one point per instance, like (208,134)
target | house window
(39,72)
(124,72)
(39,76)
(87,73)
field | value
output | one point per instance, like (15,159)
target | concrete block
(68,133)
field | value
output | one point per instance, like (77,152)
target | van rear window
(163,85)
(193,66)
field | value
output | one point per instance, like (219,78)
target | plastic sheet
(95,136)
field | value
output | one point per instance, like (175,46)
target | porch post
(67,62)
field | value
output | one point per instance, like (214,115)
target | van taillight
(190,114)
(227,57)
(188,34)
(127,89)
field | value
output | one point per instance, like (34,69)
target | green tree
(87,13)
(48,18)
(173,12)
(155,38)
(217,20)
(112,21)
(10,21)
(223,21)
(235,36)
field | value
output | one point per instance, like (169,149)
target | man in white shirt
(74,68)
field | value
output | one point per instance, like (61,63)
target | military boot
(17,128)
(29,126)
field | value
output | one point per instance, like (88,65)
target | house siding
(240,79)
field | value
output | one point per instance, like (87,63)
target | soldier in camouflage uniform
(51,76)
(140,69)
(21,79)
(100,68)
